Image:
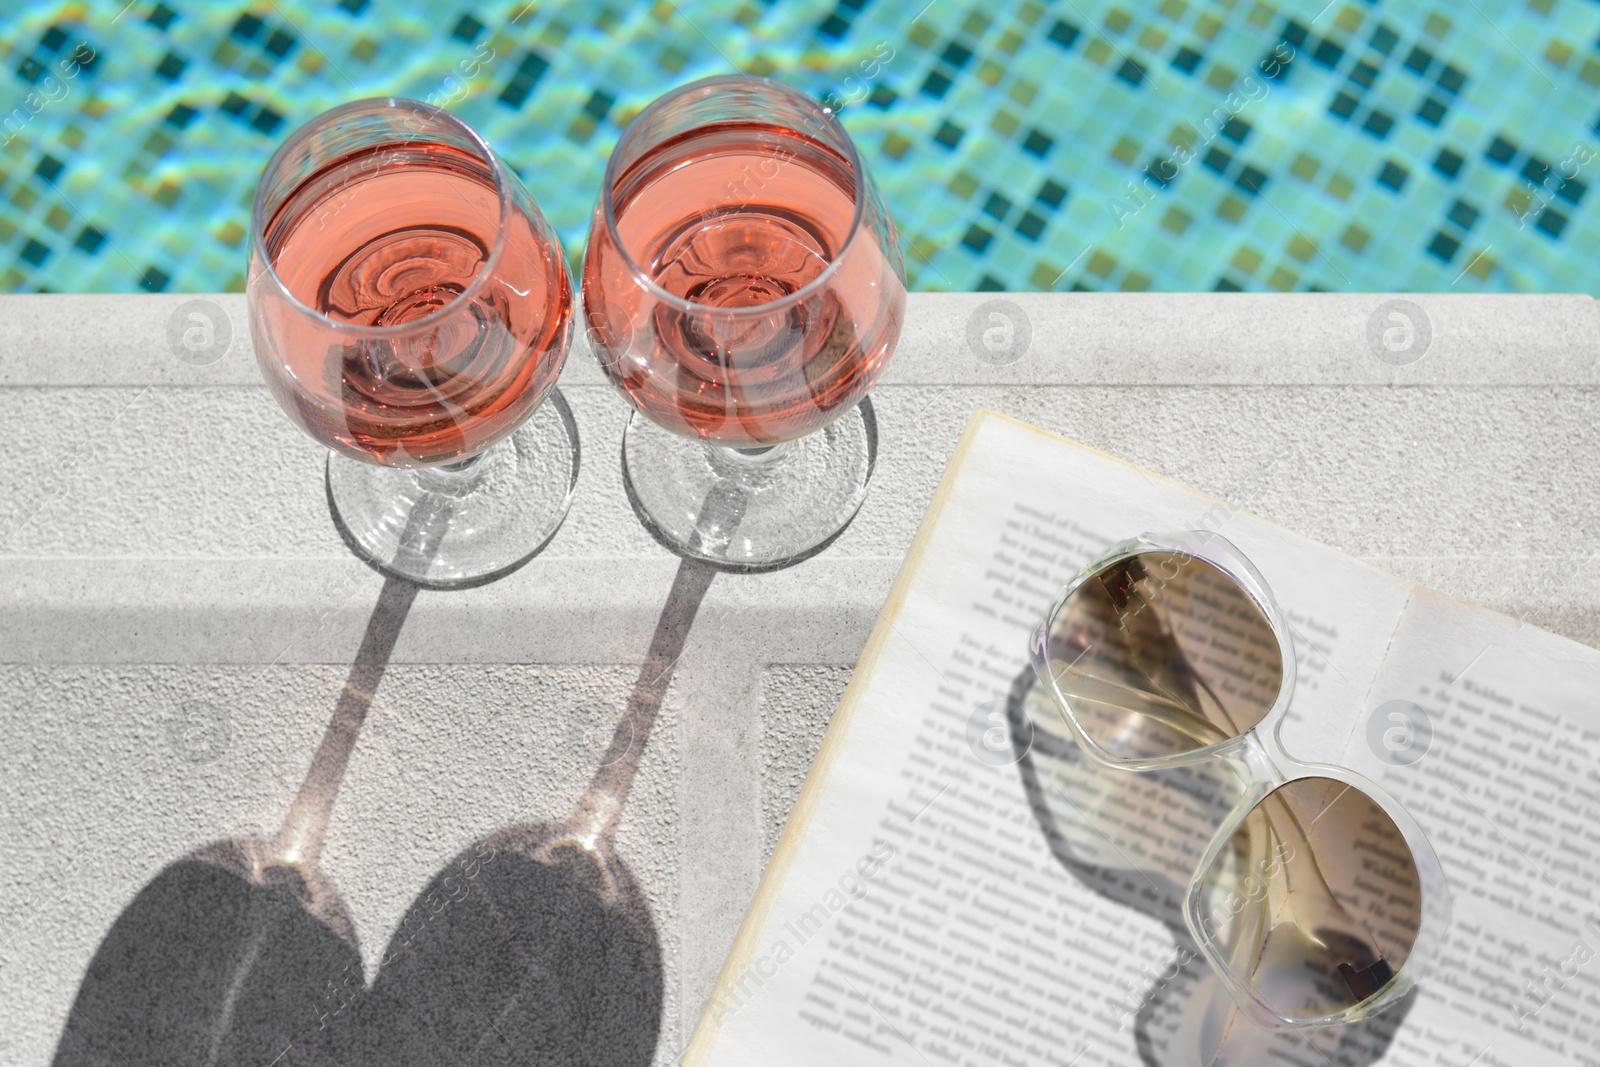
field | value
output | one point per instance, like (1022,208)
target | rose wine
(402,237)
(768,311)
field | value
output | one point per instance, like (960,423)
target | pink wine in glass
(410,309)
(744,336)
(401,237)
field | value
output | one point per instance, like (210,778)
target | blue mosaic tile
(1021,144)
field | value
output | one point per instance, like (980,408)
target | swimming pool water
(1020,144)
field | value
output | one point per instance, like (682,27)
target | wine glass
(744,290)
(411,310)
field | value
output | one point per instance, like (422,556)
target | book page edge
(833,741)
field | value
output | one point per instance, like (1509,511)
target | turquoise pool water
(1021,144)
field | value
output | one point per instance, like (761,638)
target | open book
(943,895)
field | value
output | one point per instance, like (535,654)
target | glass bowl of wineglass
(411,310)
(744,290)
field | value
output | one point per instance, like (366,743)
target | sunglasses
(1318,898)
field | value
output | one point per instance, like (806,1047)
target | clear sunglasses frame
(1262,765)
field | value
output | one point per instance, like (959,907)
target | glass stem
(748,467)
(763,454)
(465,463)
(458,476)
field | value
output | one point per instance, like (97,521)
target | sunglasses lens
(1315,902)
(1163,653)
(1084,809)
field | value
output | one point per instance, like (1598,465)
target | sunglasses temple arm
(1253,928)
(1301,867)
(1161,708)
(1302,873)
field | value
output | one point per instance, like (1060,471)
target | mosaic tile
(1374,145)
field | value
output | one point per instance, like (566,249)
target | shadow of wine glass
(1136,839)
(223,957)
(535,945)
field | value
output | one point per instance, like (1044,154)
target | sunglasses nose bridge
(1262,764)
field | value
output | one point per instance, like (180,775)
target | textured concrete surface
(177,612)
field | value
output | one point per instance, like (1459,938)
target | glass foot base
(750,509)
(466,523)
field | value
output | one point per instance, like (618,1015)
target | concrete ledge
(164,541)
(1076,339)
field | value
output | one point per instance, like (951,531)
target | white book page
(917,911)
(1501,766)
